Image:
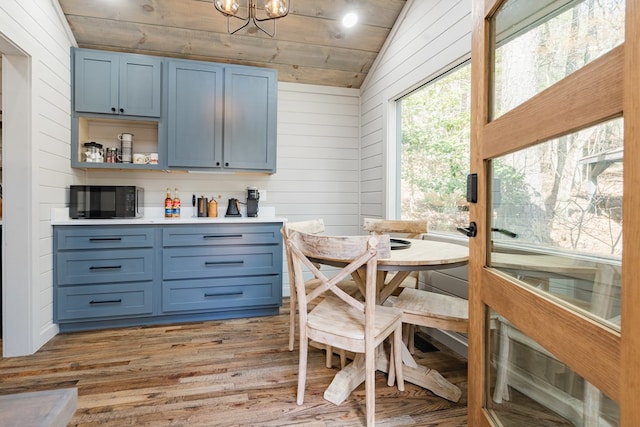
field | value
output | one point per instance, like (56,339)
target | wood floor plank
(222,373)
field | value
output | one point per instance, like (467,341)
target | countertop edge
(167,221)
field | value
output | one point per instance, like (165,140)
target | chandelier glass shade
(247,12)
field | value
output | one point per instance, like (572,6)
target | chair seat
(428,308)
(339,318)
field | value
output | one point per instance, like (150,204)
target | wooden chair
(341,320)
(314,226)
(419,307)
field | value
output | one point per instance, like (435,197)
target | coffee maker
(253,196)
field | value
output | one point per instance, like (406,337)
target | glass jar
(93,152)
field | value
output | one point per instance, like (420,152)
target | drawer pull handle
(104,239)
(105,267)
(112,301)
(220,236)
(207,263)
(224,294)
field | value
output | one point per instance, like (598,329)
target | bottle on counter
(176,204)
(213,208)
(168,205)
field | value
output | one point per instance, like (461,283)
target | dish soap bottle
(176,205)
(168,205)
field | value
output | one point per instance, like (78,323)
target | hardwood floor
(221,373)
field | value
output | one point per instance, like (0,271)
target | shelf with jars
(104,143)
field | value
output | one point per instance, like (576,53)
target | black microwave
(105,201)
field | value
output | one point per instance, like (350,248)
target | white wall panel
(37,41)
(429,36)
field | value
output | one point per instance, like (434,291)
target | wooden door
(587,342)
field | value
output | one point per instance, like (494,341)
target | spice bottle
(213,208)
(168,205)
(176,204)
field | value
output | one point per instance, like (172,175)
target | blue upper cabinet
(194,122)
(221,117)
(250,106)
(117,83)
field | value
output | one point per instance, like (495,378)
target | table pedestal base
(352,375)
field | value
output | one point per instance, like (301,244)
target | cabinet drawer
(186,295)
(220,261)
(82,237)
(80,302)
(222,234)
(107,266)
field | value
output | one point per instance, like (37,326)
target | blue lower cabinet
(100,301)
(221,294)
(115,276)
(230,261)
(104,266)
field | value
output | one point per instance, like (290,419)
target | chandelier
(271,10)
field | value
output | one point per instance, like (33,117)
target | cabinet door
(194,114)
(140,85)
(250,119)
(116,83)
(96,82)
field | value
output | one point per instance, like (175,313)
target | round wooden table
(419,256)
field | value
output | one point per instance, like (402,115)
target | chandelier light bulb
(228,7)
(275,8)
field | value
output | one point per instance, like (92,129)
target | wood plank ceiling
(310,45)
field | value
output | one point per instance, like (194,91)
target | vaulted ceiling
(310,46)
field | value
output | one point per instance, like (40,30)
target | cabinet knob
(122,110)
(113,109)
(226,164)
(217,163)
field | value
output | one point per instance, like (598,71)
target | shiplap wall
(430,36)
(317,170)
(35,44)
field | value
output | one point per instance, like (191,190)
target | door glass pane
(556,218)
(540,42)
(527,382)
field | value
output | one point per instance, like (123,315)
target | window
(434,151)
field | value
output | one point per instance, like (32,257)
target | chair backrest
(349,253)
(312,226)
(411,228)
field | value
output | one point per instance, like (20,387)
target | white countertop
(60,216)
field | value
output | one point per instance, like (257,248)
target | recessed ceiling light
(349,20)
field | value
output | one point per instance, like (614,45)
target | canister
(213,208)
(203,206)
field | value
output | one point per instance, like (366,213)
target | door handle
(469,231)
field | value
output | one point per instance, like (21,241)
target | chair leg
(591,413)
(292,319)
(343,358)
(501,391)
(408,335)
(302,369)
(397,358)
(328,356)
(370,384)
(391,376)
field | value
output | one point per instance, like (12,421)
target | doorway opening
(18,295)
